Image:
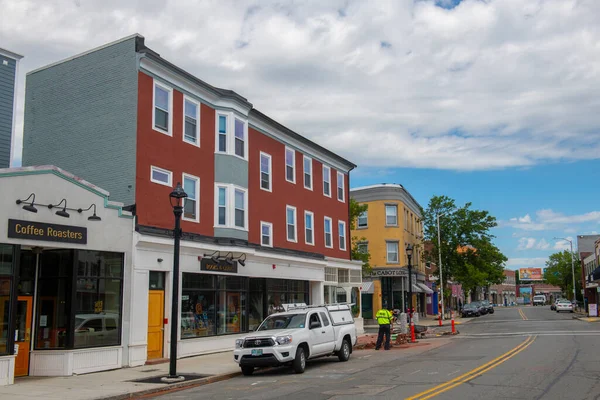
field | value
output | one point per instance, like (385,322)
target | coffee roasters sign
(48,232)
(206,264)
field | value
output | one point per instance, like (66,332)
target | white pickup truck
(296,335)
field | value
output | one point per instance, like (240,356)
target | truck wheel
(247,371)
(344,353)
(299,363)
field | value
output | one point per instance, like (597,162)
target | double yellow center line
(523,314)
(473,373)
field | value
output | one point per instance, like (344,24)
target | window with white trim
(340,186)
(222,125)
(221,218)
(161,117)
(191,121)
(330,274)
(231,206)
(191,205)
(343,275)
(326,181)
(391,215)
(355,276)
(161,176)
(290,222)
(290,165)
(309,227)
(328,233)
(342,234)
(240,138)
(392,252)
(266,234)
(265,171)
(362,247)
(308,180)
(240,208)
(363,221)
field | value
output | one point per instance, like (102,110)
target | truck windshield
(287,321)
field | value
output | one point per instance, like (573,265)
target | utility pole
(440,264)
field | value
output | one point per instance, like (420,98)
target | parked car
(296,335)
(564,305)
(482,309)
(489,306)
(470,310)
(539,300)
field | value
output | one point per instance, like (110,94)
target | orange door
(156,307)
(23,335)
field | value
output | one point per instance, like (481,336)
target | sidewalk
(117,384)
(432,322)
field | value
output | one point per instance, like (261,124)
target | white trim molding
(169,90)
(162,171)
(198,106)
(196,195)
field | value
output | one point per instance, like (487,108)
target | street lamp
(440,264)
(572,265)
(176,198)
(409,250)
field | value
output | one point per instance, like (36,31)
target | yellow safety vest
(383,317)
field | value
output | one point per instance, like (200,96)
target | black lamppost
(409,250)
(176,198)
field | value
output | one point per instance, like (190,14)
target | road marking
(522,314)
(427,394)
(455,372)
(415,372)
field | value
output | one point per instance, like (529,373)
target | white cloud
(542,245)
(548,219)
(526,243)
(515,263)
(386,84)
(563,244)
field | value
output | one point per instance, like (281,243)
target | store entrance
(23,334)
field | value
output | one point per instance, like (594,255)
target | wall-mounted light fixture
(30,206)
(229,258)
(159,260)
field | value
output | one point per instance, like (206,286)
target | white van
(539,300)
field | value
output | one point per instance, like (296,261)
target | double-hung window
(362,247)
(363,220)
(240,208)
(161,176)
(308,180)
(340,186)
(290,165)
(290,222)
(240,138)
(222,128)
(328,233)
(266,234)
(231,206)
(191,121)
(309,228)
(326,181)
(221,206)
(161,117)
(191,186)
(391,215)
(342,234)
(265,171)
(392,252)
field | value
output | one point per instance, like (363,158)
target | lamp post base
(172,379)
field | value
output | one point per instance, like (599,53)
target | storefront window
(281,291)
(6,271)
(257,288)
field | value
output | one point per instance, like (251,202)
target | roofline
(10,54)
(135,35)
(387,185)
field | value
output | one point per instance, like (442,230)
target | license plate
(257,352)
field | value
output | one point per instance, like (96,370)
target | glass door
(23,334)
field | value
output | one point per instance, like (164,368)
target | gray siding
(7,93)
(231,233)
(231,169)
(81,115)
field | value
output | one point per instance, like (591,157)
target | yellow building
(391,223)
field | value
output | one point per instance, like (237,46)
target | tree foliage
(355,210)
(468,254)
(559,272)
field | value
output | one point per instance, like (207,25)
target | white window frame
(342,234)
(270,225)
(358,225)
(325,231)
(312,218)
(287,222)
(387,253)
(270,173)
(343,187)
(230,133)
(230,206)
(197,104)
(293,164)
(197,195)
(328,175)
(386,216)
(164,171)
(169,131)
(304,159)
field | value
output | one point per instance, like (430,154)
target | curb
(175,387)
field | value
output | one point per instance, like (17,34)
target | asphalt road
(515,353)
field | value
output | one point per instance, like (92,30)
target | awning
(425,288)
(596,274)
(367,288)
(416,289)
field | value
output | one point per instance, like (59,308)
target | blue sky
(489,101)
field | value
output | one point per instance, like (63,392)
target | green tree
(356,253)
(559,273)
(468,254)
(517,277)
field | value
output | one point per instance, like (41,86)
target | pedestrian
(384,319)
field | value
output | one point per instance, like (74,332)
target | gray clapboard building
(9,63)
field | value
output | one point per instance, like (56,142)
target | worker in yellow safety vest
(384,319)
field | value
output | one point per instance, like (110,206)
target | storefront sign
(206,264)
(49,232)
(593,310)
(389,272)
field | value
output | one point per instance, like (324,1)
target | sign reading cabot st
(49,232)
(206,264)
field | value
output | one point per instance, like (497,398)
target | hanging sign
(18,229)
(206,264)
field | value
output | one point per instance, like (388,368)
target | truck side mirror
(314,324)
